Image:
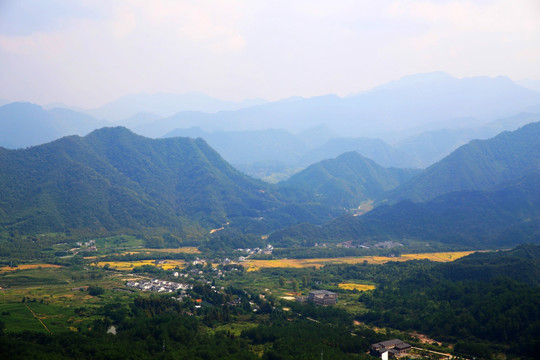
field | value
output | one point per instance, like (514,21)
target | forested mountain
(506,215)
(113,179)
(479,165)
(25,124)
(374,149)
(348,180)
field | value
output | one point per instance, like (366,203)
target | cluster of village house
(248,252)
(156,285)
(89,245)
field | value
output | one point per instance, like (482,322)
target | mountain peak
(116,130)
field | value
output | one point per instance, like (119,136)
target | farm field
(29,266)
(129,265)
(56,297)
(181,250)
(254,265)
(359,287)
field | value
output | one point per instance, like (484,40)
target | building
(323,297)
(394,348)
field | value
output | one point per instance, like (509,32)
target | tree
(294,285)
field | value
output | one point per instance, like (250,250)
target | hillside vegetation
(479,165)
(348,180)
(114,180)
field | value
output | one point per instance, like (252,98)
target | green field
(57,297)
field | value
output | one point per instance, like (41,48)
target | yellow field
(359,287)
(29,266)
(441,256)
(129,265)
(254,265)
(186,250)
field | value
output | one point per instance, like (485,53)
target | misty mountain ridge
(529,84)
(246,147)
(164,105)
(431,146)
(272,153)
(405,104)
(26,124)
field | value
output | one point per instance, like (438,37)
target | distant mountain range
(414,102)
(431,146)
(112,180)
(164,105)
(247,147)
(260,153)
(25,124)
(419,119)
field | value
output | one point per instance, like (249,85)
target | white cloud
(248,48)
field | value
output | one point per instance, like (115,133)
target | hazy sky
(89,52)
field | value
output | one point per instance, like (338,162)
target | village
(159,286)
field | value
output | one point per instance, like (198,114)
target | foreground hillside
(113,179)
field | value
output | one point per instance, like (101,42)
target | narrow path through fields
(449,356)
(34,314)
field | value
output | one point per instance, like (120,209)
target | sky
(86,53)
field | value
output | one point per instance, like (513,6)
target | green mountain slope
(348,180)
(506,215)
(375,149)
(113,179)
(479,165)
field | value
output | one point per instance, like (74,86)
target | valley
(115,245)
